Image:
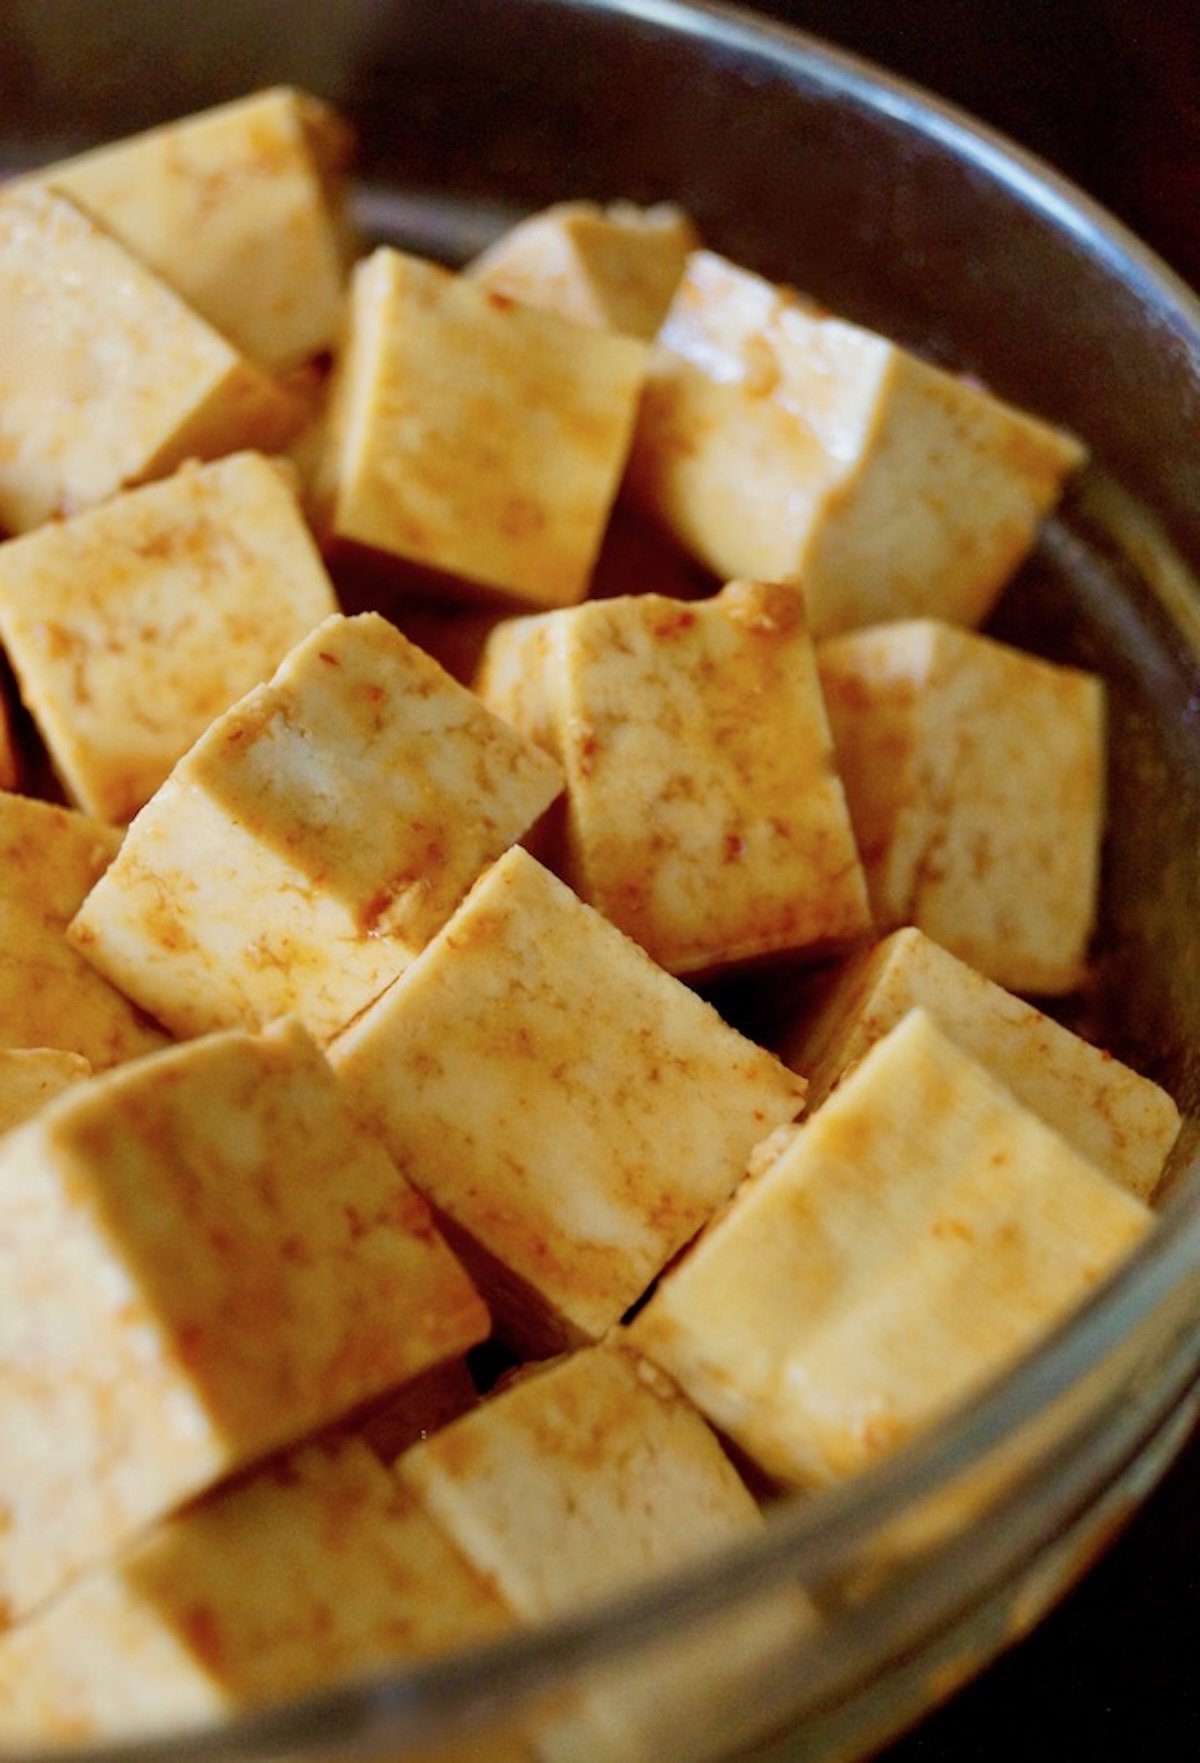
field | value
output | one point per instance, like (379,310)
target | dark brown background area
(1108,91)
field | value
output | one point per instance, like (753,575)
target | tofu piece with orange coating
(313,840)
(1120,1121)
(580,1481)
(50,858)
(239,209)
(711,826)
(916,1236)
(975,775)
(316,1569)
(107,379)
(614,268)
(133,625)
(202,1258)
(32,1076)
(574,1113)
(783,444)
(473,436)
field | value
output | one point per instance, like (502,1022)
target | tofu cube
(573,1113)
(313,840)
(1118,1120)
(133,625)
(782,444)
(317,1568)
(239,210)
(581,1481)
(711,826)
(50,858)
(613,269)
(32,1076)
(919,1233)
(473,436)
(106,378)
(202,1258)
(975,776)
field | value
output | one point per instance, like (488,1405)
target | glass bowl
(898,212)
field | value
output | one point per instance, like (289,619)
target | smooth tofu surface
(238,210)
(712,826)
(319,1567)
(50,858)
(579,1479)
(202,1258)
(1120,1121)
(777,442)
(916,1236)
(573,1112)
(475,436)
(32,1076)
(107,378)
(613,268)
(578,1482)
(975,776)
(314,839)
(133,625)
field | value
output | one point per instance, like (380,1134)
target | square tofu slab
(711,826)
(106,377)
(573,1112)
(1118,1120)
(202,1258)
(32,1076)
(239,210)
(50,858)
(314,839)
(133,625)
(975,776)
(916,1236)
(475,436)
(777,442)
(578,1482)
(613,269)
(317,1568)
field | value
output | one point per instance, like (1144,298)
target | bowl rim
(1157,1290)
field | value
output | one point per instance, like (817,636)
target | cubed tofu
(582,1481)
(975,776)
(613,269)
(711,826)
(318,1568)
(780,443)
(313,840)
(202,1258)
(32,1076)
(239,209)
(133,625)
(573,1112)
(1118,1120)
(473,436)
(917,1235)
(50,858)
(106,378)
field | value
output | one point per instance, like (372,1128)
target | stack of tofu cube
(347,1007)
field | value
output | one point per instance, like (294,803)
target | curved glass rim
(803,1536)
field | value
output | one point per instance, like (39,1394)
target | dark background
(1108,91)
